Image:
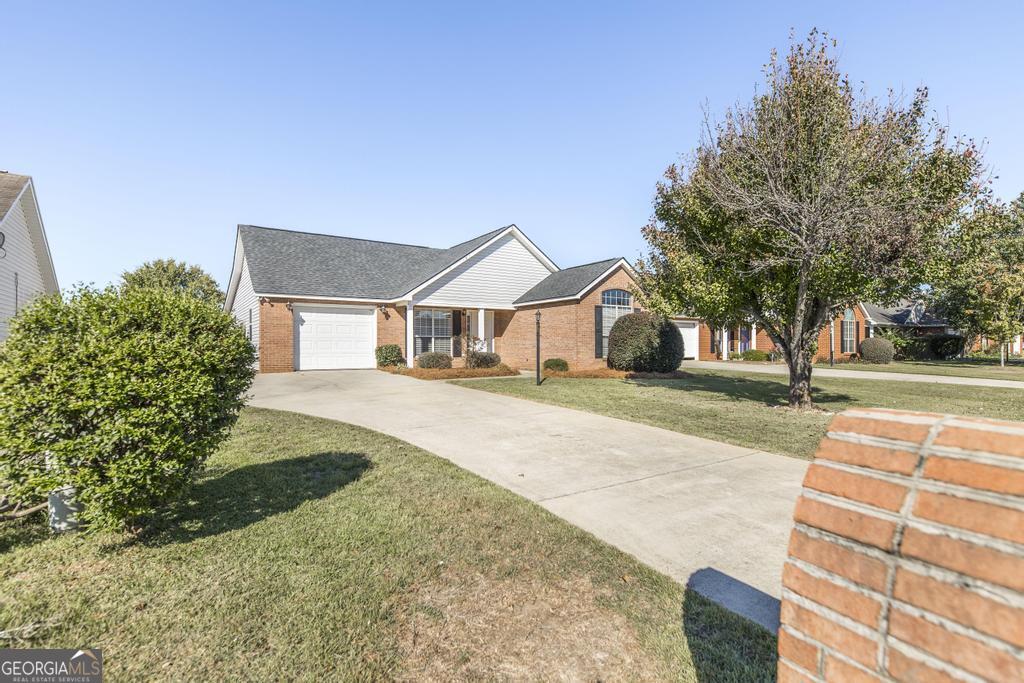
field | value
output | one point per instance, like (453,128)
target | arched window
(849,333)
(615,303)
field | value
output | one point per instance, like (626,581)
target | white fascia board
(49,273)
(621,263)
(864,312)
(470,305)
(277,295)
(236,272)
(514,231)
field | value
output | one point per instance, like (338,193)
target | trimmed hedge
(556,365)
(877,350)
(644,342)
(434,360)
(388,355)
(482,359)
(120,394)
(754,354)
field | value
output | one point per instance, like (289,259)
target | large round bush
(644,342)
(434,360)
(877,350)
(119,394)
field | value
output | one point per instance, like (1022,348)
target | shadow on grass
(724,645)
(767,391)
(246,495)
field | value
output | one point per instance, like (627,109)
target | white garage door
(335,338)
(691,338)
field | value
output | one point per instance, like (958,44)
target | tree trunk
(1002,355)
(800,380)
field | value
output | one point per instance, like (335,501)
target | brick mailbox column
(906,561)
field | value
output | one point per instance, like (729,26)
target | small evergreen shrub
(119,393)
(946,346)
(877,350)
(556,365)
(754,354)
(434,360)
(644,342)
(482,359)
(389,355)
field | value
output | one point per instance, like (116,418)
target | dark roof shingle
(906,313)
(566,283)
(310,264)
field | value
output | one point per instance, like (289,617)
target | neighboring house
(840,340)
(26,267)
(312,301)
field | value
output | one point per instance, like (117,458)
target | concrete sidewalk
(781,369)
(714,515)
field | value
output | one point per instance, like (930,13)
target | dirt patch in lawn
(476,628)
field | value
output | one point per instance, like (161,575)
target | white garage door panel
(335,338)
(691,338)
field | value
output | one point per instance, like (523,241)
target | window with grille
(849,334)
(615,303)
(433,331)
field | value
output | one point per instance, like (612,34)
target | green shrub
(482,359)
(754,354)
(556,365)
(119,394)
(434,360)
(877,350)
(389,355)
(644,342)
(946,346)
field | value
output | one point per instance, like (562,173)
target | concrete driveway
(711,514)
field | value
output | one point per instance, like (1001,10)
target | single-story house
(26,267)
(313,301)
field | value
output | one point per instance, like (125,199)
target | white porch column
(410,336)
(481,329)
(725,343)
(753,335)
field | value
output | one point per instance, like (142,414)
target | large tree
(176,276)
(806,200)
(979,286)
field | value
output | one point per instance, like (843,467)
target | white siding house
(246,306)
(493,278)
(26,268)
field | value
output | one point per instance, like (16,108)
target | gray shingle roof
(310,264)
(11,186)
(566,283)
(906,313)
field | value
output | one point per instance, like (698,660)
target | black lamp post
(538,347)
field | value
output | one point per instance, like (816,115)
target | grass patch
(500,370)
(748,409)
(608,373)
(981,368)
(310,549)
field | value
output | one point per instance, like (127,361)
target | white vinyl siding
(494,278)
(22,261)
(246,307)
(433,330)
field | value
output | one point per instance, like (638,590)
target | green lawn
(984,368)
(311,549)
(748,409)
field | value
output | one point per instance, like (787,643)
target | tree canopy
(979,286)
(176,276)
(806,200)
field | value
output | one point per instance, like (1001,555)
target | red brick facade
(567,329)
(907,558)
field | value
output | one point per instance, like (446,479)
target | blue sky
(152,130)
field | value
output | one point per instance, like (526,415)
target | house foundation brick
(920,578)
